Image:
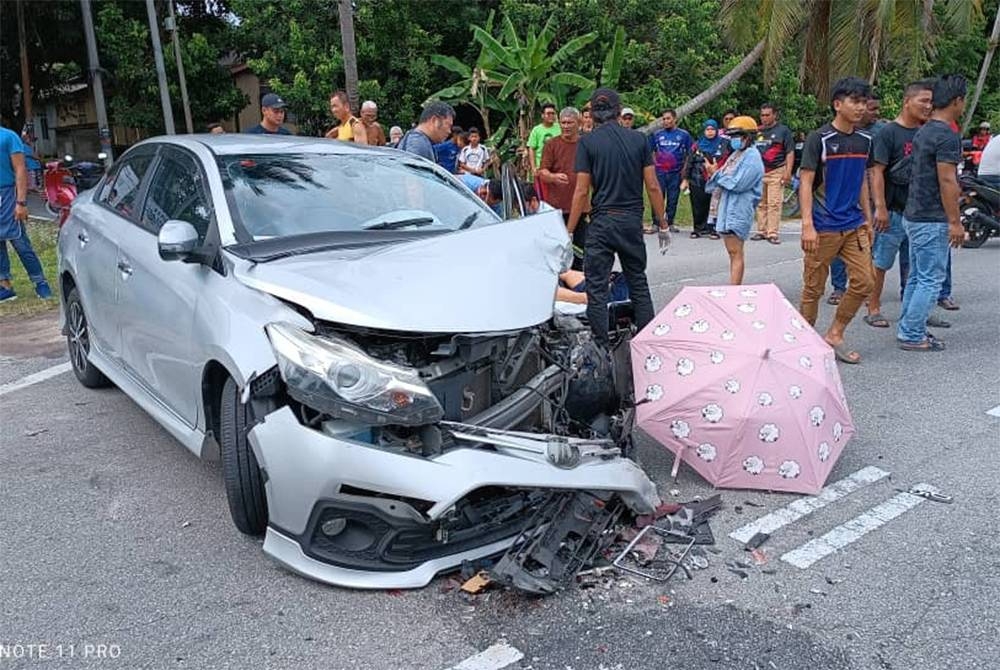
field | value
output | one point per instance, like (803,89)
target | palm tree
(838,38)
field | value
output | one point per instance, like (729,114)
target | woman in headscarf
(707,149)
(741,182)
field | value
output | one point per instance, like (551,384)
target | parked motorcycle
(64,179)
(980,205)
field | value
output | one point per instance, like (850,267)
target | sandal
(845,354)
(926,345)
(715,236)
(774,239)
(756,237)
(876,320)
(649,230)
(695,236)
(948,304)
(835,297)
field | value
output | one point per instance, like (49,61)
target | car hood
(495,277)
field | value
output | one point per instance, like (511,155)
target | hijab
(710,147)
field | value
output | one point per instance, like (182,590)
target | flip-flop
(876,320)
(715,236)
(843,354)
(774,240)
(934,321)
(695,236)
(756,237)
(928,345)
(834,298)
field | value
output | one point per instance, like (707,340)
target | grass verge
(43,234)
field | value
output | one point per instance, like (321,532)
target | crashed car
(368,348)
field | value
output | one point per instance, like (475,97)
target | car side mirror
(177,240)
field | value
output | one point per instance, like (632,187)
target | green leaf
(572,47)
(453,64)
(458,92)
(572,79)
(612,69)
(511,85)
(493,47)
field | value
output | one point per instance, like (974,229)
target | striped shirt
(839,161)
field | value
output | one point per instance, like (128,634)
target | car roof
(245,143)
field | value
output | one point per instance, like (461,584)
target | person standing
(616,163)
(350,128)
(395,135)
(586,122)
(541,134)
(433,127)
(447,151)
(833,193)
(741,182)
(706,152)
(981,138)
(671,147)
(931,218)
(777,148)
(890,178)
(628,117)
(13,215)
(272,112)
(373,129)
(474,158)
(989,166)
(558,174)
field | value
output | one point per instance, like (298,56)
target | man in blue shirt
(671,148)
(13,214)
(836,216)
(447,151)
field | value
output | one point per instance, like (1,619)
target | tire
(78,344)
(978,230)
(242,475)
(54,213)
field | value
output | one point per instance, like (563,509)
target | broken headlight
(336,377)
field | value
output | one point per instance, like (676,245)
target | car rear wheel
(244,481)
(78,343)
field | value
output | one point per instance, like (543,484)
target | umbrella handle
(677,464)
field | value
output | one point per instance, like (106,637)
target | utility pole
(991,47)
(25,70)
(350,54)
(172,27)
(161,74)
(95,77)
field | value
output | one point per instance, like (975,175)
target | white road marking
(855,529)
(23,382)
(994,412)
(803,506)
(498,656)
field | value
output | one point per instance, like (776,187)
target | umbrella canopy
(735,382)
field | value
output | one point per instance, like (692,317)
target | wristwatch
(21,203)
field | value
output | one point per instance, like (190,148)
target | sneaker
(948,304)
(7,294)
(43,290)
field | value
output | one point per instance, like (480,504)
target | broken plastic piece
(756,541)
(477,583)
(674,561)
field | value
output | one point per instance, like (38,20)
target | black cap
(605,99)
(272,100)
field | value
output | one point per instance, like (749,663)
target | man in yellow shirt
(351,129)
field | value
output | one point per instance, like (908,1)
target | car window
(177,191)
(121,188)
(284,195)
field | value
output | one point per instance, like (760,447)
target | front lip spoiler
(287,551)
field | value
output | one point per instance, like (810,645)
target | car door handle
(83,237)
(125,269)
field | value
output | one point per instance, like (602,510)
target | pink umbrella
(735,382)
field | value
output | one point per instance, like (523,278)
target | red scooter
(60,189)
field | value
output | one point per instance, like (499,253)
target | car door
(156,297)
(96,231)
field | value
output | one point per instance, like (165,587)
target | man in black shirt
(616,162)
(931,217)
(890,176)
(777,150)
(272,111)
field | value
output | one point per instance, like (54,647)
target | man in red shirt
(559,178)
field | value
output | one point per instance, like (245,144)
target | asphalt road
(112,534)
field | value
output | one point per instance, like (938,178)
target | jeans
(22,245)
(838,274)
(928,268)
(670,184)
(608,234)
(904,270)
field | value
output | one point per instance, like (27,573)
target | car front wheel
(78,343)
(244,482)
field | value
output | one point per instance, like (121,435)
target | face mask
(736,143)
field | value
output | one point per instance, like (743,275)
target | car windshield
(275,196)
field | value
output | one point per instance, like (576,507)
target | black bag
(899,174)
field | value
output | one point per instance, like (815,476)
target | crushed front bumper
(397,520)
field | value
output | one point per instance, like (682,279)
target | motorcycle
(64,179)
(980,205)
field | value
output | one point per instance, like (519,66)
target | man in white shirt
(474,157)
(989,163)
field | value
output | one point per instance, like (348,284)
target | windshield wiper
(401,223)
(469,220)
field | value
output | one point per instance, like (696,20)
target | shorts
(887,242)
